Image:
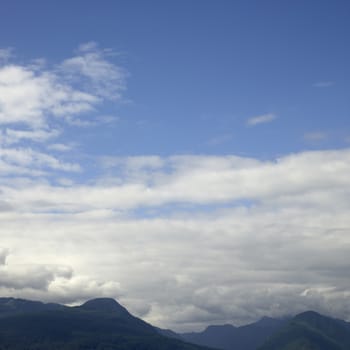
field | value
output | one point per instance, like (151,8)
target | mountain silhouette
(228,337)
(104,324)
(311,331)
(97,324)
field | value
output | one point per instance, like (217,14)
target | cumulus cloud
(261,119)
(52,282)
(29,97)
(32,277)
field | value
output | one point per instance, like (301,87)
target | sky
(188,158)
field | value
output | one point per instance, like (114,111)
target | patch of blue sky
(186,209)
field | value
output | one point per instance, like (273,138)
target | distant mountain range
(311,331)
(103,324)
(306,331)
(228,337)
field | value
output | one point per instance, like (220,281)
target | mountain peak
(104,305)
(266,321)
(309,313)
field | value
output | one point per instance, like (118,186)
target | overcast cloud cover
(183,239)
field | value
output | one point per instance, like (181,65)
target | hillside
(228,337)
(104,324)
(311,331)
(97,324)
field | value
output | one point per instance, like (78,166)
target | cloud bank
(190,240)
(182,240)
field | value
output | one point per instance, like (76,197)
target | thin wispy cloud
(106,79)
(323,84)
(5,54)
(219,139)
(316,136)
(13,136)
(25,160)
(60,147)
(261,119)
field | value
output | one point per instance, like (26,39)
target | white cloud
(61,147)
(133,163)
(28,161)
(38,101)
(12,136)
(106,79)
(261,119)
(32,94)
(220,239)
(30,97)
(37,277)
(201,180)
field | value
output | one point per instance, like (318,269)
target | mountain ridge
(100,323)
(227,336)
(103,323)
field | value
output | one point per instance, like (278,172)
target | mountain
(99,324)
(10,306)
(104,324)
(311,331)
(306,331)
(213,336)
(228,337)
(168,333)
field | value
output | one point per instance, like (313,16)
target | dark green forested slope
(98,324)
(311,331)
(106,325)
(228,337)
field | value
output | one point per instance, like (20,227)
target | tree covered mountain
(311,331)
(228,337)
(306,331)
(104,324)
(101,324)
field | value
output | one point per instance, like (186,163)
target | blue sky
(198,70)
(133,133)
